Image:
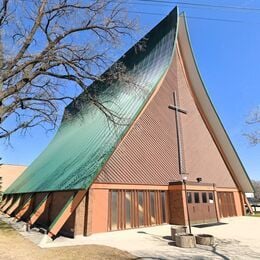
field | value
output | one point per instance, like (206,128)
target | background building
(9,173)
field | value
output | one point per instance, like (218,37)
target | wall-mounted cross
(177,109)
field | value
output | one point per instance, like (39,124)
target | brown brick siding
(99,210)
(202,157)
(80,216)
(176,207)
(148,153)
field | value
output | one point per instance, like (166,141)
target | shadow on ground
(210,225)
(222,249)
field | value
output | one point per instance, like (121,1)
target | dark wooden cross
(177,109)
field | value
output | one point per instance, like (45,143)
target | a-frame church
(96,176)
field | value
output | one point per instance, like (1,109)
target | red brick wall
(58,201)
(44,219)
(22,201)
(55,204)
(98,211)
(176,207)
(80,217)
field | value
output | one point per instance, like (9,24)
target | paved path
(238,238)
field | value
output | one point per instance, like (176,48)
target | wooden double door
(226,204)
(202,208)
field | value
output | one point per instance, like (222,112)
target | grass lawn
(15,246)
(257,214)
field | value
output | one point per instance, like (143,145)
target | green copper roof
(84,142)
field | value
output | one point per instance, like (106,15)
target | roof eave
(199,90)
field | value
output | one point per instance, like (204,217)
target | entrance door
(201,205)
(226,204)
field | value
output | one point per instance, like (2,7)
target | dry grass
(257,214)
(14,246)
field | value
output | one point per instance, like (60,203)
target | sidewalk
(236,238)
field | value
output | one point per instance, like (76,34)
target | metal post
(188,214)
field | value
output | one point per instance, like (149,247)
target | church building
(168,158)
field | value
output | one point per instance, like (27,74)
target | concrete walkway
(236,238)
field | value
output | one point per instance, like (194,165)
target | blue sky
(228,56)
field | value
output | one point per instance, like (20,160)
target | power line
(217,19)
(156,4)
(187,16)
(181,3)
(193,17)
(238,8)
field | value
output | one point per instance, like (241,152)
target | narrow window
(211,198)
(189,197)
(204,197)
(141,208)
(163,207)
(196,197)
(128,209)
(152,207)
(114,210)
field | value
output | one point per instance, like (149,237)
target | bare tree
(254,121)
(1,182)
(256,185)
(50,50)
